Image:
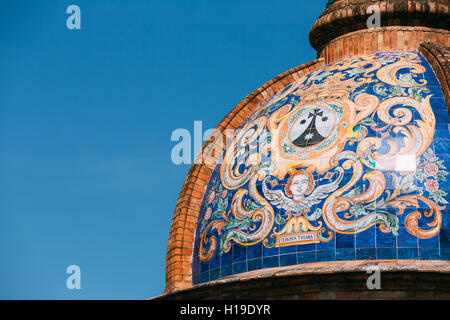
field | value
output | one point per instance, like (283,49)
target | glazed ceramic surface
(348,163)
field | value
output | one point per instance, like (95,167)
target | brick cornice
(347,16)
(183,226)
(334,279)
(381,39)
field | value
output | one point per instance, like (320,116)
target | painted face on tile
(299,186)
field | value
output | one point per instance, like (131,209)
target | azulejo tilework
(347,163)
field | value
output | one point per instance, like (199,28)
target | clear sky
(86,117)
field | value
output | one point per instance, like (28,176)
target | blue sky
(86,117)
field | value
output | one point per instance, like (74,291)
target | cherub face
(299,185)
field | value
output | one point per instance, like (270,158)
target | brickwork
(381,39)
(184,221)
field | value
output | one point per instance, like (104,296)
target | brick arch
(184,222)
(438,55)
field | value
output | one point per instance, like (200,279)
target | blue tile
(226,270)
(444,238)
(445,219)
(306,247)
(428,254)
(306,257)
(270,251)
(441,116)
(438,103)
(204,266)
(432,80)
(195,278)
(196,247)
(406,240)
(366,239)
(408,253)
(239,252)
(254,264)
(429,243)
(271,262)
(442,146)
(442,130)
(214,274)
(288,249)
(326,245)
(196,263)
(226,258)
(288,259)
(345,254)
(204,277)
(240,267)
(366,254)
(402,217)
(345,241)
(215,261)
(254,251)
(434,87)
(386,253)
(325,255)
(445,254)
(447,165)
(385,240)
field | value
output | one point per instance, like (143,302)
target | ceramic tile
(345,254)
(366,254)
(288,259)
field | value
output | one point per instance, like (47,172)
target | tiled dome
(335,164)
(347,163)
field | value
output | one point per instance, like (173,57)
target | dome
(335,164)
(347,163)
